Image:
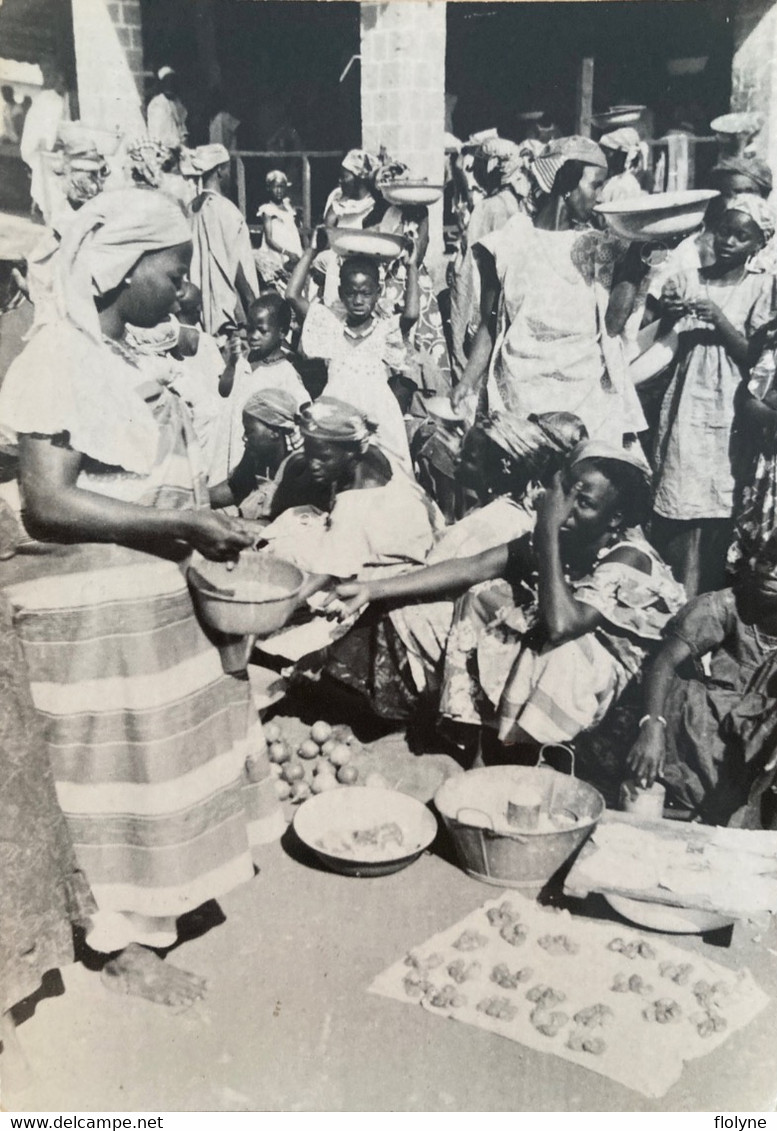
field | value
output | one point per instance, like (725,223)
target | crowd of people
(504,537)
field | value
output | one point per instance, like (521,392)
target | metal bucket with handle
(474,808)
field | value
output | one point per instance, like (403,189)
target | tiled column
(109,63)
(754,72)
(403,89)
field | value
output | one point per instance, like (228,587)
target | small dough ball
(320,732)
(272,733)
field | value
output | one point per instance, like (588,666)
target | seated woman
(270,435)
(709,732)
(393,659)
(542,656)
(378,517)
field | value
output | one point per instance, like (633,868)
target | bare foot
(141,972)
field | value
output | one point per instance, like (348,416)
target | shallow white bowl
(359,807)
(670,920)
(354,241)
(656,216)
(411,192)
(617,116)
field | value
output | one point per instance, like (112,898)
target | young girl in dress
(717,311)
(281,242)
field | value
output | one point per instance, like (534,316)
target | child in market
(266,366)
(360,346)
(720,313)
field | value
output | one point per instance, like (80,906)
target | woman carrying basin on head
(555,297)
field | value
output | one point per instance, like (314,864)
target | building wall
(754,71)
(109,63)
(403,89)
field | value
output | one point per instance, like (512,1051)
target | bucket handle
(483,829)
(468,809)
(556,746)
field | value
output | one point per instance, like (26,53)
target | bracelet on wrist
(646,718)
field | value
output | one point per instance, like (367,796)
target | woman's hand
(353,596)
(554,506)
(460,392)
(216,536)
(646,757)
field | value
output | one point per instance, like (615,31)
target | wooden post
(678,162)
(306,202)
(585,96)
(242,202)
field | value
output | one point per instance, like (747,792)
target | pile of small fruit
(324,760)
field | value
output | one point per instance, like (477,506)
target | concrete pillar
(109,63)
(403,90)
(754,70)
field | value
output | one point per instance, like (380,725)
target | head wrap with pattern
(336,422)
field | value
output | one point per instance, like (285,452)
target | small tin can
(645,802)
(523,808)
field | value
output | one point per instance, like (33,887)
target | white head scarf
(757,209)
(105,240)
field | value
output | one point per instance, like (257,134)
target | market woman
(349,204)
(393,659)
(555,298)
(542,654)
(375,516)
(708,727)
(146,735)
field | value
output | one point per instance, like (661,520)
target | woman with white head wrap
(147,737)
(626,158)
(718,312)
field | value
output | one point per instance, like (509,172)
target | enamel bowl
(355,241)
(659,215)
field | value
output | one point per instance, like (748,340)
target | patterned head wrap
(503,156)
(274,407)
(529,440)
(754,169)
(337,423)
(146,161)
(626,140)
(563,149)
(197,162)
(84,170)
(757,209)
(361,163)
(562,431)
(475,141)
(104,241)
